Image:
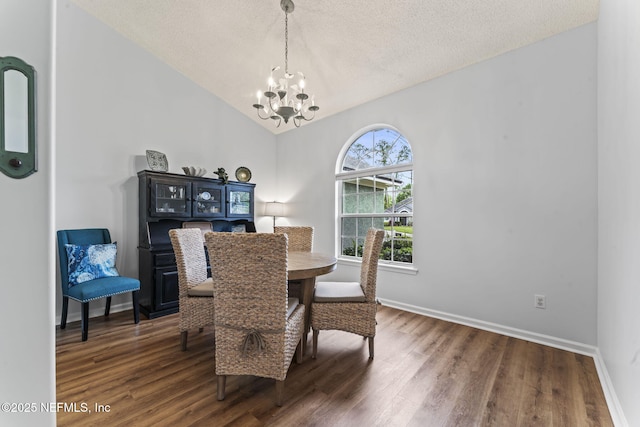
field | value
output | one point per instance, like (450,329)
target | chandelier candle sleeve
(285,101)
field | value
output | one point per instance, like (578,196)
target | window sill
(382,265)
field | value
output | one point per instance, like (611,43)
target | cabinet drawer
(168,259)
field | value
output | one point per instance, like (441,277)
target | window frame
(372,172)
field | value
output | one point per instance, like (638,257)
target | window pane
(349,236)
(398,248)
(377,148)
(349,227)
(363,225)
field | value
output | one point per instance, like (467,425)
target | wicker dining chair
(350,306)
(300,237)
(258,328)
(300,240)
(195,290)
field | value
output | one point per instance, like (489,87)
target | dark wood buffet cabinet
(167,201)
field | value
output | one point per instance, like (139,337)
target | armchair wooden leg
(279,392)
(84,321)
(65,308)
(370,347)
(222,381)
(315,343)
(136,307)
(183,340)
(107,307)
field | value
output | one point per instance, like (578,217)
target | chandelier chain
(286,43)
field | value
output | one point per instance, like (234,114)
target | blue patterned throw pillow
(88,262)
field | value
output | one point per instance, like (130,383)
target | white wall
(116,100)
(619,199)
(27,351)
(505,187)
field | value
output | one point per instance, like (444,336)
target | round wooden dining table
(304,267)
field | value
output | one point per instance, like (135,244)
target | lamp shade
(274,209)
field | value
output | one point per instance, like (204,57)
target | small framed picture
(240,228)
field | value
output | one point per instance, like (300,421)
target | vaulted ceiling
(350,51)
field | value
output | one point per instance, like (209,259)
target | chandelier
(285,99)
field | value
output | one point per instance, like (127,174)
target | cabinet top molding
(191,178)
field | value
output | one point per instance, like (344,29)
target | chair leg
(370,347)
(183,340)
(299,352)
(279,392)
(200,330)
(315,343)
(136,307)
(65,308)
(84,321)
(107,307)
(222,381)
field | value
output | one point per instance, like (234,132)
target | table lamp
(274,209)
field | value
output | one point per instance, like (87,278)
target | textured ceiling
(350,51)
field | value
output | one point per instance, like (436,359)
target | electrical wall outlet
(540,301)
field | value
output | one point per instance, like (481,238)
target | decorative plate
(243,174)
(157,161)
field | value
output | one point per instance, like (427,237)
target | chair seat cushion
(292,303)
(204,289)
(104,287)
(338,292)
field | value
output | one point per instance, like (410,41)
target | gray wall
(27,351)
(619,200)
(504,194)
(115,100)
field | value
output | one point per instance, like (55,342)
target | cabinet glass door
(169,198)
(208,200)
(239,202)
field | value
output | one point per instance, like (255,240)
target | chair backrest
(188,247)
(86,236)
(249,272)
(300,237)
(369,267)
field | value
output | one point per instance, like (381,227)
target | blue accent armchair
(94,289)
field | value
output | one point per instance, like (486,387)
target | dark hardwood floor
(426,372)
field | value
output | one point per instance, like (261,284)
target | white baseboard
(588,350)
(609,392)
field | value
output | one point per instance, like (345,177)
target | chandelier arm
(302,116)
(260,115)
(271,107)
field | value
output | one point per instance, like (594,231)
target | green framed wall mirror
(17,118)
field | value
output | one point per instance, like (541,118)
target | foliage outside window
(375,185)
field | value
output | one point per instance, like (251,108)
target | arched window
(374,179)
